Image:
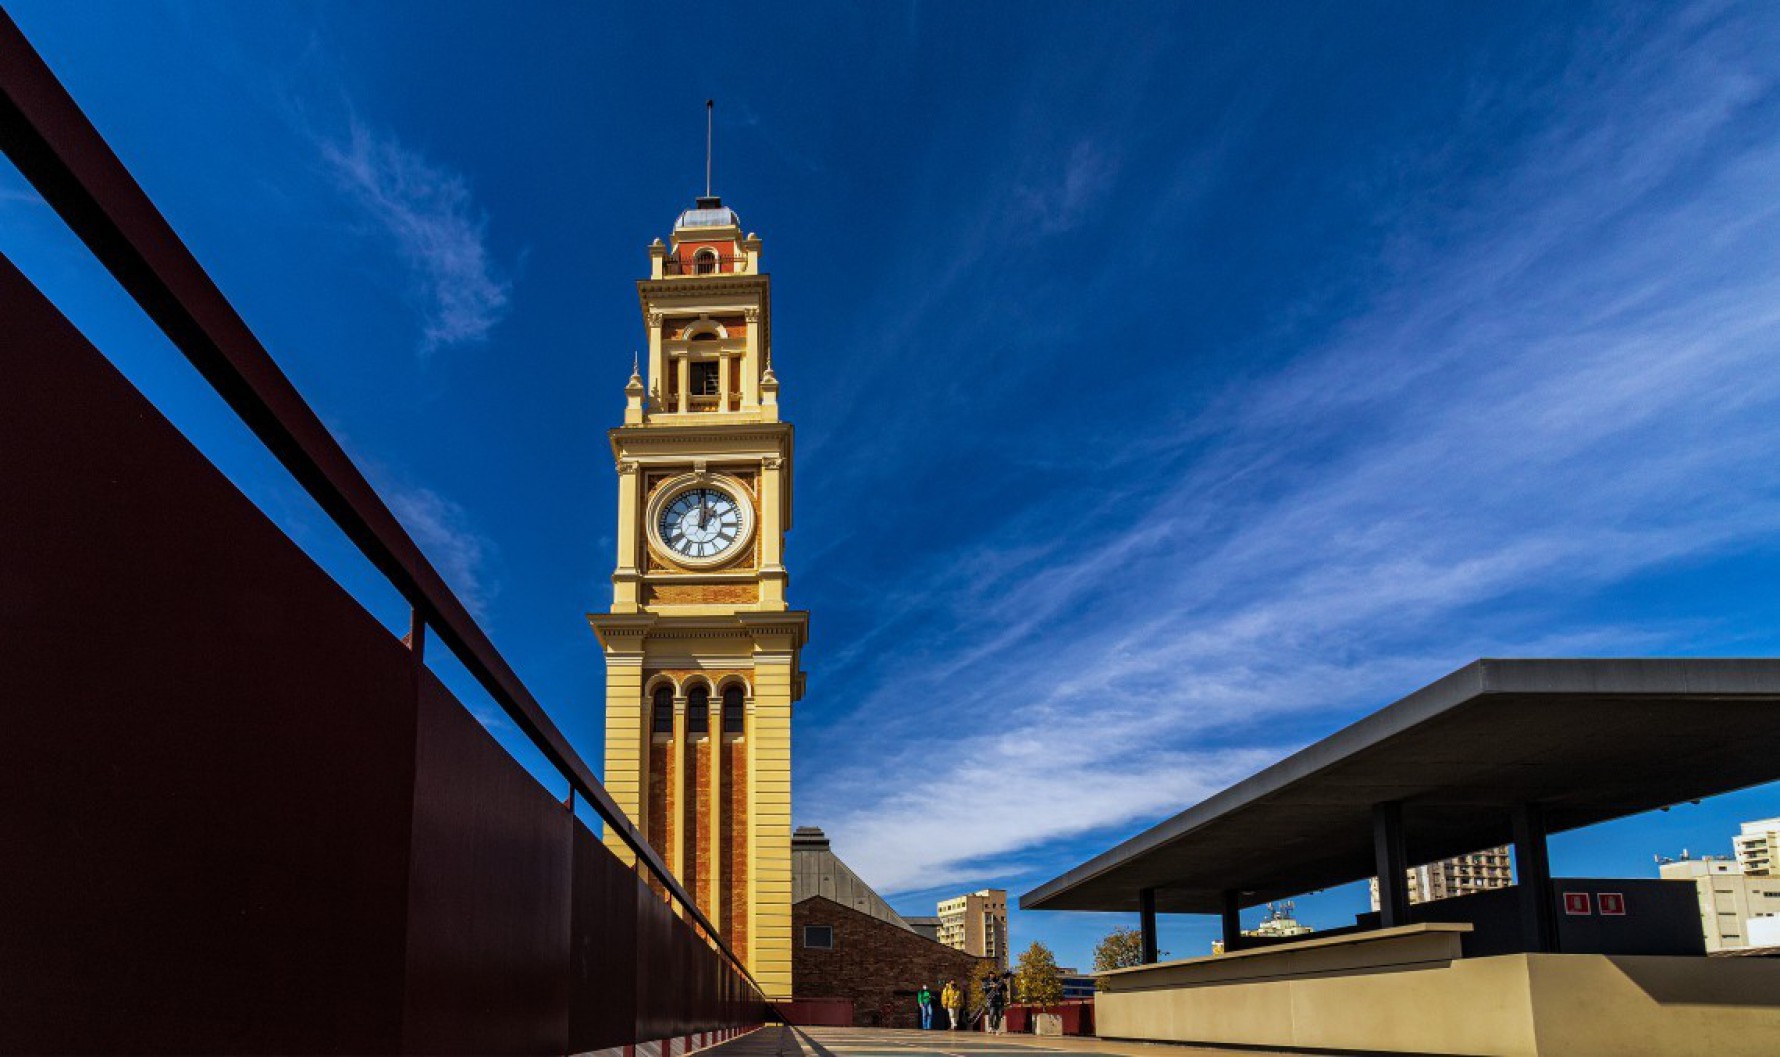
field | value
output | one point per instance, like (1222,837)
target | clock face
(700,523)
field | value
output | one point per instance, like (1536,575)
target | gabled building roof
(817,871)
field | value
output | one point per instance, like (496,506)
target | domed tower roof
(709,212)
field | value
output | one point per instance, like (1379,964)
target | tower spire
(710,108)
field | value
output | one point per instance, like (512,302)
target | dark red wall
(488,894)
(236,816)
(602,919)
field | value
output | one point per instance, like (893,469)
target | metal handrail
(51,141)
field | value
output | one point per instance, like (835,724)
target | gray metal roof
(722,216)
(817,871)
(1587,740)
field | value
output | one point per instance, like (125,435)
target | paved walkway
(775,1041)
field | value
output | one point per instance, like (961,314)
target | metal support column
(1146,923)
(1232,919)
(1392,863)
(1532,874)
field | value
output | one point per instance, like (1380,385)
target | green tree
(1121,949)
(1036,977)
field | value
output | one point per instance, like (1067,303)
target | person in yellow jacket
(953,1000)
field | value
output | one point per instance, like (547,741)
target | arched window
(732,709)
(698,711)
(661,718)
(704,262)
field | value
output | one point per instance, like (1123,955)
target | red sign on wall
(1612,904)
(1576,903)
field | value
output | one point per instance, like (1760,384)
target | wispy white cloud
(1563,384)
(1070,190)
(442,528)
(434,224)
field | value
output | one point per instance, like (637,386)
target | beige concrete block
(1589,1005)
(1511,1006)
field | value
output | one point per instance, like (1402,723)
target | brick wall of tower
(697,853)
(660,817)
(732,835)
(699,594)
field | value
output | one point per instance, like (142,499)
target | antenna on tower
(710,108)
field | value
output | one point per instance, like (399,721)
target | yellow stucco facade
(702,650)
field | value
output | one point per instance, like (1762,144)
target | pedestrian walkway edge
(673,1046)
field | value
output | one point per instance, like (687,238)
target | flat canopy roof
(1587,740)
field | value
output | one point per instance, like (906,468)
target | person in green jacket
(925,998)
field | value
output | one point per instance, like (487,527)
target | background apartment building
(1737,908)
(1461,875)
(976,924)
(1756,846)
(1279,922)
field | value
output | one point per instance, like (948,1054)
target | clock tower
(701,649)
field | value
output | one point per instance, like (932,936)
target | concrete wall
(1513,1005)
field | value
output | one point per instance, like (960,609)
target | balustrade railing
(724,265)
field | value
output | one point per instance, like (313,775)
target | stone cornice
(776,635)
(621,632)
(708,295)
(784,632)
(699,576)
(700,235)
(638,439)
(715,293)
(686,285)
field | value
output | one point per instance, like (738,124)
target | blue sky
(1173,384)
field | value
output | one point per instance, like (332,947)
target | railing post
(417,635)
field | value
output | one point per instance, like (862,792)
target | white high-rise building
(1756,847)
